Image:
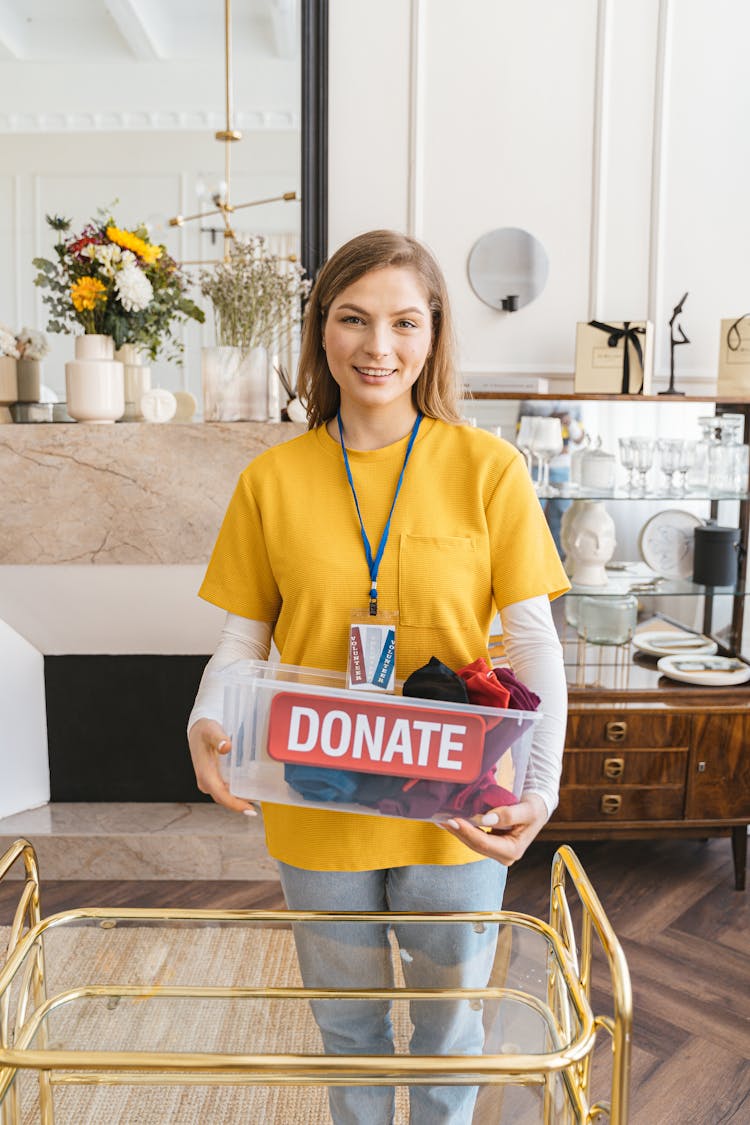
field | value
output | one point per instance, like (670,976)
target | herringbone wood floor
(686,935)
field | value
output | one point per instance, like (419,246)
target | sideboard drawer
(627,729)
(624,767)
(612,803)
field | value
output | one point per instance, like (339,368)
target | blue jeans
(349,955)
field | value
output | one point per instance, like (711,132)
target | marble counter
(133,840)
(122,494)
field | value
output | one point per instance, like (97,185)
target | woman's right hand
(207,739)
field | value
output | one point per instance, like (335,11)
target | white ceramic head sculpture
(588,539)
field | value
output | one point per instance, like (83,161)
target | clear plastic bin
(300,737)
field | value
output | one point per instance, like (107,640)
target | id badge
(372,651)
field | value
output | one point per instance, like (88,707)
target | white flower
(32,344)
(108,255)
(8,343)
(133,288)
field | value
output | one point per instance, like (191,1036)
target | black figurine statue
(675,343)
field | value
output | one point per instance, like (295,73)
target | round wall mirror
(508,268)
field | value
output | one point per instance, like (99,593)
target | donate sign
(377,737)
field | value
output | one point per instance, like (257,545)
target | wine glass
(546,443)
(643,459)
(524,439)
(671,456)
(688,454)
(626,459)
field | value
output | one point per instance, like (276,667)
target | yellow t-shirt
(468,537)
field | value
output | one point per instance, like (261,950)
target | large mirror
(108,105)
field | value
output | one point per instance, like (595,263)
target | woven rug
(195,956)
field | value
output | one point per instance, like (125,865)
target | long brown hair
(436,391)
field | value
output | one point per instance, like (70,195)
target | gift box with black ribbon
(734,356)
(614,357)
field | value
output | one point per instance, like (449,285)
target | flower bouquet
(257,301)
(120,289)
(115,282)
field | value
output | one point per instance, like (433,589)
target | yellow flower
(145,250)
(150,253)
(86,292)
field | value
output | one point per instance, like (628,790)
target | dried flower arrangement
(256,296)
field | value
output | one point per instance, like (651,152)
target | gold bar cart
(130,1011)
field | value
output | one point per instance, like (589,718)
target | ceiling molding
(134,28)
(158,120)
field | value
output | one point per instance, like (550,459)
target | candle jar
(607,620)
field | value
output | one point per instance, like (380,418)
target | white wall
(24,772)
(62,610)
(613,130)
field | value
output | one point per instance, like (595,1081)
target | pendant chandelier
(228,136)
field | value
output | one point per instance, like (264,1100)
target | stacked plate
(708,671)
(671,643)
(689,658)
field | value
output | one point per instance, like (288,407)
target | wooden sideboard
(669,760)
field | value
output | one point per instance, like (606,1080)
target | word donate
(377,737)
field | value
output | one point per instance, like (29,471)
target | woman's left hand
(513,827)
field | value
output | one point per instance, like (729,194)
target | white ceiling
(144,30)
(86,65)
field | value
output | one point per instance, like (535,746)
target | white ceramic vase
(235,384)
(137,379)
(95,381)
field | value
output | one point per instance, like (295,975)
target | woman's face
(377,336)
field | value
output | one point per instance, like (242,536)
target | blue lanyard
(374,563)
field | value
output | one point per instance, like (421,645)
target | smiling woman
(388,497)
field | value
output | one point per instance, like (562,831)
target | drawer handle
(616,731)
(610,803)
(613,767)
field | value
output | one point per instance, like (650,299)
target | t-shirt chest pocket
(437,580)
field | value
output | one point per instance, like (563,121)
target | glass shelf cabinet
(646,756)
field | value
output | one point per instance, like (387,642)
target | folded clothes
(521,697)
(483,686)
(374,786)
(482,795)
(477,683)
(435,680)
(317,783)
(422,800)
